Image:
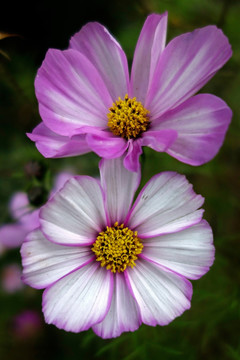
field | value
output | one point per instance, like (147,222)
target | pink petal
(44,262)
(105,53)
(189,252)
(161,295)
(106,145)
(61,179)
(74,215)
(31,220)
(159,140)
(93,130)
(123,314)
(201,123)
(150,45)
(52,145)
(186,64)
(166,204)
(70,92)
(12,235)
(19,205)
(131,160)
(119,186)
(79,300)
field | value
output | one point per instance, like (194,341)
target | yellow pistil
(128,118)
(117,247)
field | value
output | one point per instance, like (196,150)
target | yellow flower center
(128,118)
(117,247)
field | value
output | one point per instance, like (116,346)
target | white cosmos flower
(110,265)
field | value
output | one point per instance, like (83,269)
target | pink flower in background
(26,219)
(11,278)
(25,216)
(111,265)
(27,325)
(88,102)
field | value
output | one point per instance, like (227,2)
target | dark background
(211,328)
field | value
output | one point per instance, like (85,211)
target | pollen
(117,247)
(128,118)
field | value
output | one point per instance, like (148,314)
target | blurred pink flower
(88,102)
(111,265)
(27,325)
(25,216)
(11,278)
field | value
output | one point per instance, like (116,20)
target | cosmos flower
(111,265)
(25,216)
(88,102)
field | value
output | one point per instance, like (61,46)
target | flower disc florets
(117,247)
(128,118)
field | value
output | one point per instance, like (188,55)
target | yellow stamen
(117,247)
(128,118)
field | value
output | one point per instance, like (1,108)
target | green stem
(143,160)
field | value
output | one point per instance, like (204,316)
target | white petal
(189,252)
(45,262)
(119,186)
(79,300)
(60,180)
(75,214)
(123,314)
(167,203)
(160,295)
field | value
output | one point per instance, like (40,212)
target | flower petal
(74,215)
(45,262)
(186,64)
(70,92)
(189,252)
(123,314)
(19,205)
(161,295)
(119,186)
(60,180)
(105,53)
(105,145)
(131,160)
(159,140)
(149,47)
(201,123)
(79,300)
(166,204)
(12,235)
(30,221)
(52,145)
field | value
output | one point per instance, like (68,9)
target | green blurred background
(211,328)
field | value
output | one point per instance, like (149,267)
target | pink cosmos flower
(25,216)
(88,102)
(111,265)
